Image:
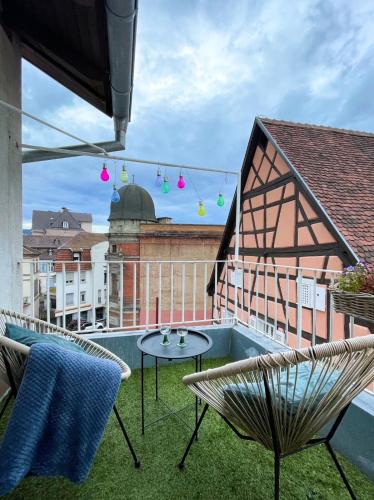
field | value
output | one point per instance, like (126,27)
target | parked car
(88,326)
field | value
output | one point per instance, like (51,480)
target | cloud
(203,71)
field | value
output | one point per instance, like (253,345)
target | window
(69,278)
(99,296)
(76,256)
(46,267)
(114,248)
(83,297)
(65,224)
(105,277)
(114,285)
(70,299)
(83,277)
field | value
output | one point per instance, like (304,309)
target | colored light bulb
(115,195)
(165,186)
(220,200)
(158,181)
(181,182)
(104,176)
(124,175)
(201,211)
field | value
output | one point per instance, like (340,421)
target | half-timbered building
(307,208)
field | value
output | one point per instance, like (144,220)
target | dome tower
(135,204)
(135,207)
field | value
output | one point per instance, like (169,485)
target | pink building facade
(285,226)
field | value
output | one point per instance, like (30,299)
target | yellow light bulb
(201,211)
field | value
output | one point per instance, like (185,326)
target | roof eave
(300,178)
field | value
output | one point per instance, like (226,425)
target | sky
(203,70)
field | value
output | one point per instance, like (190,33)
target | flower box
(353,292)
(360,305)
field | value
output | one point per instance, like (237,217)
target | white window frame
(70,299)
(83,297)
(83,277)
(69,278)
(65,224)
(76,256)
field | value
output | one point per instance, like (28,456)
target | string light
(115,195)
(165,185)
(158,181)
(104,176)
(124,175)
(201,210)
(220,200)
(181,182)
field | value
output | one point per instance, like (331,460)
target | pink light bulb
(104,176)
(181,182)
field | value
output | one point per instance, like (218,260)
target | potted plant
(353,292)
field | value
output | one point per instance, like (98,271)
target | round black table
(197,344)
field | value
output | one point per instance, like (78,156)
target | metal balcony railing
(291,305)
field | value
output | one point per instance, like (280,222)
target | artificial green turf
(220,466)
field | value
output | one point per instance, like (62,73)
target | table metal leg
(196,399)
(142,390)
(200,370)
(156,378)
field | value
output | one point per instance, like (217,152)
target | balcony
(248,309)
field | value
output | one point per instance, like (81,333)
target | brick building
(152,277)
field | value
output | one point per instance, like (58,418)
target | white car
(89,327)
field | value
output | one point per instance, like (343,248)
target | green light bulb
(124,175)
(220,200)
(165,186)
(201,211)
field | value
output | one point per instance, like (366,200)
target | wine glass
(165,331)
(182,332)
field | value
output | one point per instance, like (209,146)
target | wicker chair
(14,355)
(283,400)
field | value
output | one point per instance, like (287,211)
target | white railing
(125,294)
(291,305)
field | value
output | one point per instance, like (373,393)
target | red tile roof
(338,167)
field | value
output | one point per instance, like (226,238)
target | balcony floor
(220,466)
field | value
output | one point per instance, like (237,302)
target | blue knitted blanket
(59,415)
